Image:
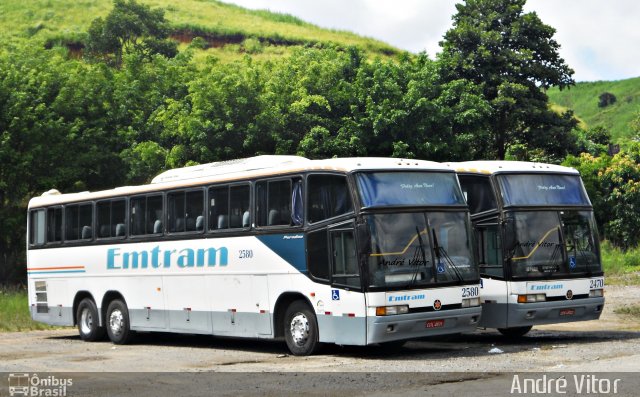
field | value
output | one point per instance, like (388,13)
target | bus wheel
(117,322)
(301,329)
(88,321)
(515,332)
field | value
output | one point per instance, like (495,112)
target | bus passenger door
(493,293)
(348,306)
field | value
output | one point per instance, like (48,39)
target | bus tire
(88,321)
(515,332)
(301,329)
(117,322)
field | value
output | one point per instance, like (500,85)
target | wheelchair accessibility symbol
(440,268)
(335,294)
(572,262)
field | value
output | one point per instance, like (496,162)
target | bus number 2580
(470,292)
(245,254)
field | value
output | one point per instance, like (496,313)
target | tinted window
(274,201)
(478,192)
(328,197)
(318,254)
(408,188)
(111,218)
(146,215)
(229,207)
(78,222)
(54,224)
(185,211)
(542,189)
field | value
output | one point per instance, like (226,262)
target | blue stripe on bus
(289,247)
(58,271)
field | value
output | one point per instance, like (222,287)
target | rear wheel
(301,329)
(88,321)
(515,332)
(117,322)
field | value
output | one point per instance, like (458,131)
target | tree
(512,57)
(130,26)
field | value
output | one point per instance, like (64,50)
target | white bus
(537,244)
(348,251)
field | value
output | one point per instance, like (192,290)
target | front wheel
(117,322)
(515,332)
(301,329)
(88,321)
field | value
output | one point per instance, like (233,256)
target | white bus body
(537,244)
(309,280)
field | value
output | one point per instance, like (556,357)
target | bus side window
(328,197)
(146,215)
(78,222)
(54,225)
(274,201)
(478,193)
(110,220)
(37,227)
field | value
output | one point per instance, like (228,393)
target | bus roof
(490,167)
(235,170)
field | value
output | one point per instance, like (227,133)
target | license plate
(434,324)
(567,312)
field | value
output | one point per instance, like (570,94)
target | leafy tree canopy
(130,27)
(511,55)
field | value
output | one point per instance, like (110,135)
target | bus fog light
(391,310)
(596,293)
(471,302)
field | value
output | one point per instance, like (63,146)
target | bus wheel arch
(87,317)
(80,296)
(298,323)
(280,308)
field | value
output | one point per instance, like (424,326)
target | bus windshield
(552,243)
(387,189)
(542,189)
(419,249)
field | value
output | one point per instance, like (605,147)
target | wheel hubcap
(116,322)
(299,329)
(86,321)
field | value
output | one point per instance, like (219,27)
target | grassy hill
(584,98)
(229,30)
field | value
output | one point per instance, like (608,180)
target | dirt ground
(611,344)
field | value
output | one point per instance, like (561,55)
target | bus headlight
(471,302)
(530,298)
(391,310)
(596,293)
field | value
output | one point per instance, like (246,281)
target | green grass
(632,310)
(14,312)
(584,98)
(55,21)
(620,268)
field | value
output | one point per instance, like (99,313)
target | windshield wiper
(414,279)
(442,253)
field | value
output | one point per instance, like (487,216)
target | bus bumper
(503,315)
(416,325)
